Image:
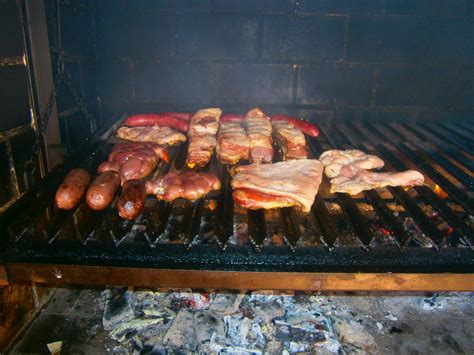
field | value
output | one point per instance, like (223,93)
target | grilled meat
(290,139)
(132,199)
(188,184)
(101,192)
(347,170)
(180,115)
(289,183)
(202,136)
(259,131)
(232,140)
(72,189)
(347,162)
(366,180)
(154,134)
(152,119)
(134,160)
(305,127)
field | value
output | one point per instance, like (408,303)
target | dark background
(408,57)
(314,58)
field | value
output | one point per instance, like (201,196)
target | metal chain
(60,79)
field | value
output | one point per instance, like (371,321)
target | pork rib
(291,140)
(202,136)
(283,184)
(259,131)
(232,141)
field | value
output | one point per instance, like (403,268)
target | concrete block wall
(300,56)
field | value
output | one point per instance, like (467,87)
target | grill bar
(432,233)
(446,185)
(210,235)
(448,137)
(454,153)
(424,191)
(328,229)
(452,169)
(377,202)
(365,234)
(257,228)
(291,228)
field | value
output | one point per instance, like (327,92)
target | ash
(269,322)
(133,321)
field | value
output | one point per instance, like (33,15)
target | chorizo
(132,199)
(102,191)
(72,189)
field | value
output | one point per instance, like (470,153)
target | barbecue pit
(164,57)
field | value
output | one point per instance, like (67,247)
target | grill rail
(426,229)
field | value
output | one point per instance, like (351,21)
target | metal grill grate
(422,229)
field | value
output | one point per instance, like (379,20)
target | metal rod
(425,192)
(442,181)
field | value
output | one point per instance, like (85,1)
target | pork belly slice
(259,131)
(345,162)
(204,122)
(202,136)
(367,180)
(188,184)
(200,150)
(156,134)
(283,184)
(291,140)
(232,142)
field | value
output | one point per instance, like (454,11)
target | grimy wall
(373,58)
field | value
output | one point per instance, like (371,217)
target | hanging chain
(60,79)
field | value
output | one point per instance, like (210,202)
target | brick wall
(303,56)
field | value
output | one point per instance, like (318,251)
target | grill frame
(258,259)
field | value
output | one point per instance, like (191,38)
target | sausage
(181,115)
(305,127)
(72,189)
(151,119)
(102,191)
(132,199)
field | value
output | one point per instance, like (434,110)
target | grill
(392,238)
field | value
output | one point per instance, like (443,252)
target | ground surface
(120,321)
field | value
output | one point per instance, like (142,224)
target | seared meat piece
(259,131)
(202,136)
(154,134)
(346,162)
(348,172)
(289,183)
(188,184)
(134,160)
(232,140)
(291,140)
(367,180)
(305,127)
